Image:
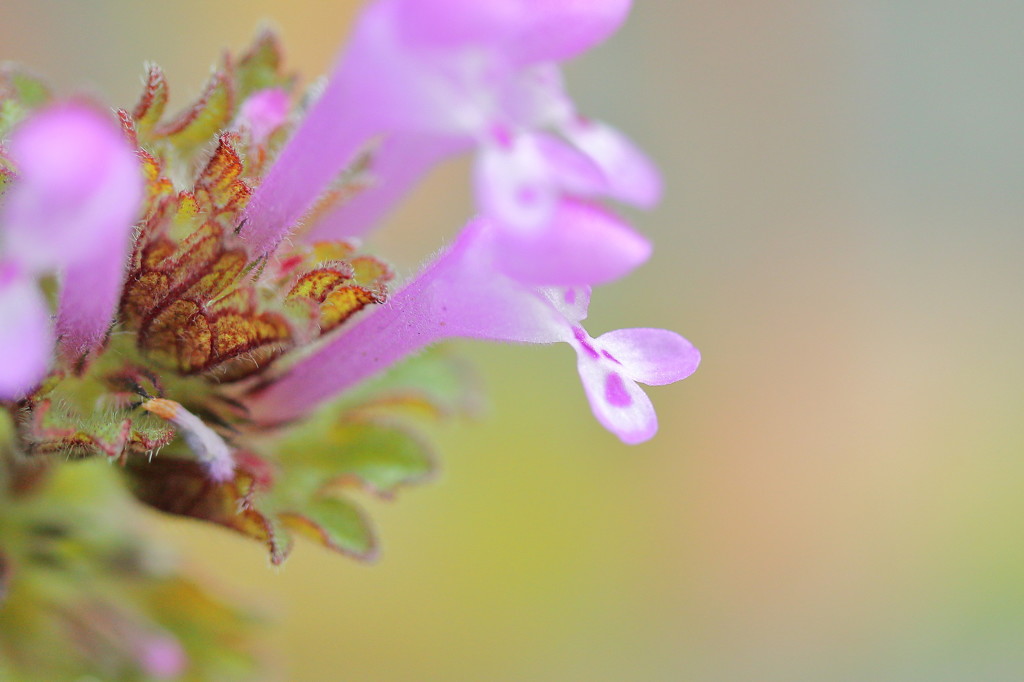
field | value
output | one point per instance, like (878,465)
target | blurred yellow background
(835,495)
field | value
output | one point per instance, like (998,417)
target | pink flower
(263,112)
(434,78)
(69,212)
(461,295)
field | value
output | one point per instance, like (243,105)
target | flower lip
(584,244)
(612,365)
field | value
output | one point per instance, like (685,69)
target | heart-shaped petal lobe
(651,356)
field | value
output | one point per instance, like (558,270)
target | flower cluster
(219,331)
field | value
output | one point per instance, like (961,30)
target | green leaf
(379,457)
(151,105)
(20,93)
(435,383)
(11,113)
(209,628)
(83,570)
(383,458)
(53,427)
(28,89)
(335,524)
(260,67)
(210,114)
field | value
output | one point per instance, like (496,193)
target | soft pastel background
(837,494)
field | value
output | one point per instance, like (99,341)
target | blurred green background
(835,495)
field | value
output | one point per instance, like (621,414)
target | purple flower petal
(651,356)
(558,30)
(571,302)
(583,245)
(575,172)
(78,188)
(454,23)
(618,404)
(263,112)
(89,293)
(76,198)
(631,175)
(611,365)
(529,30)
(26,337)
(513,185)
(520,182)
(534,98)
(329,137)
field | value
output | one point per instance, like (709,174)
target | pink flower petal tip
(263,112)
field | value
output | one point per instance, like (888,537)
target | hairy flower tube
(185,295)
